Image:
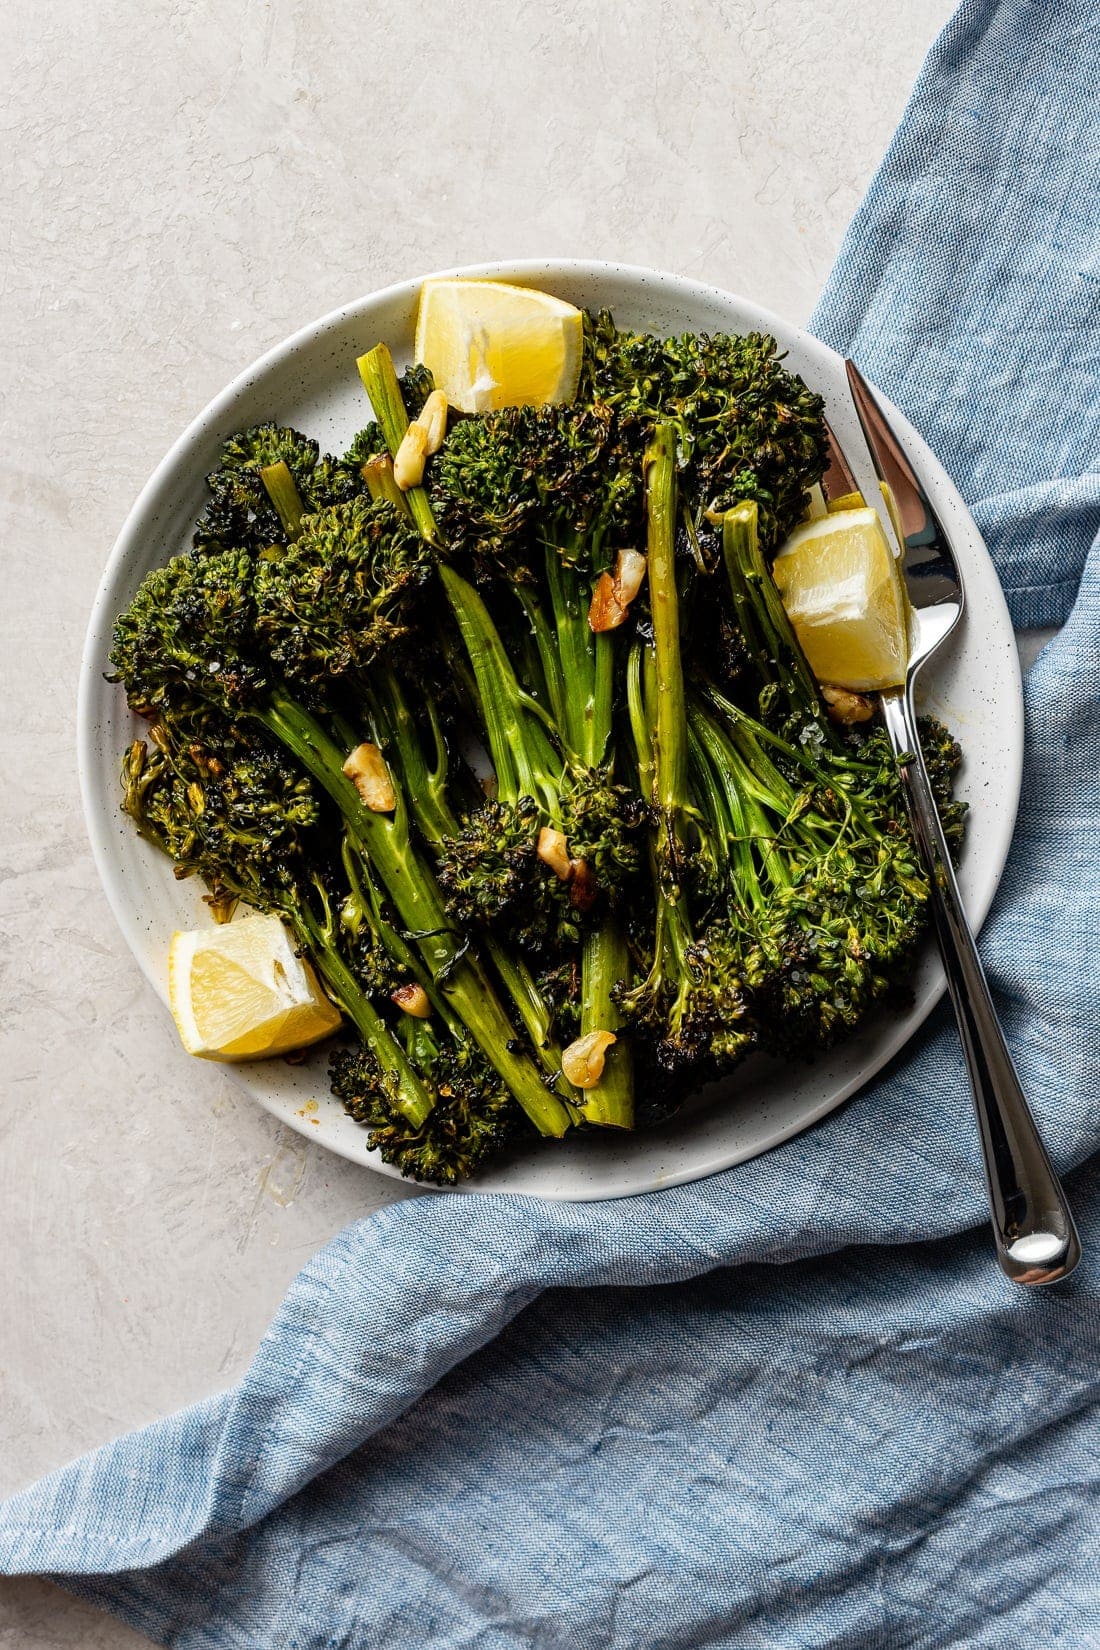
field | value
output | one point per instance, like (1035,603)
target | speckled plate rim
(598,1167)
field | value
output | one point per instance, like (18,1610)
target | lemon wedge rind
(491,344)
(239,991)
(842,587)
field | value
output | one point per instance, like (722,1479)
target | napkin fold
(787,1406)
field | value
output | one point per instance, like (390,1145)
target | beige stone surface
(183,185)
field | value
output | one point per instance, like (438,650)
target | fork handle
(1035,1234)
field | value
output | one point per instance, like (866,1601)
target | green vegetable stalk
(376,369)
(685,1003)
(454,971)
(549,760)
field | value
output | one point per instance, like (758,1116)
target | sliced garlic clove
(583,1061)
(412,999)
(553,850)
(367,770)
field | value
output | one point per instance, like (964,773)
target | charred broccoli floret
(473,1119)
(216,796)
(605,824)
(508,484)
(492,872)
(367,444)
(268,477)
(187,636)
(416,384)
(943,757)
(342,595)
(489,870)
(745,427)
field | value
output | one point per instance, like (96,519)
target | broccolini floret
(342,595)
(745,427)
(472,1120)
(245,509)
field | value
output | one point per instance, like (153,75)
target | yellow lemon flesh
(841,585)
(239,991)
(489,344)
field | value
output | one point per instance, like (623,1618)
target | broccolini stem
(408,1095)
(638,692)
(525,761)
(414,895)
(738,795)
(548,655)
(676,937)
(417,901)
(518,982)
(603,698)
(751,584)
(379,376)
(605,963)
(585,725)
(670,743)
(751,736)
(345,733)
(366,898)
(723,823)
(738,525)
(586,664)
(281,490)
(658,720)
(377,472)
(426,789)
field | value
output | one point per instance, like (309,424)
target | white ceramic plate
(310,382)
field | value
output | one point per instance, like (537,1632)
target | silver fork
(1035,1234)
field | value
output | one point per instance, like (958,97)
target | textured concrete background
(184,184)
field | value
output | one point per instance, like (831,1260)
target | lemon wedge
(240,991)
(841,585)
(489,344)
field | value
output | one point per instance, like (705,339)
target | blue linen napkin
(757,1411)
